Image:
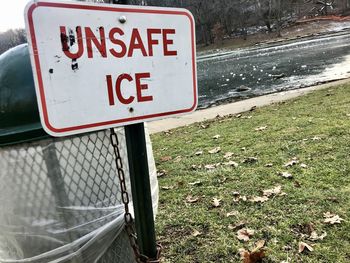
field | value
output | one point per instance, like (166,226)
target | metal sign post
(141,190)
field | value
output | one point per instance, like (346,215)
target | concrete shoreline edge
(235,107)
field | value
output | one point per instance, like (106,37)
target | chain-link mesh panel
(60,199)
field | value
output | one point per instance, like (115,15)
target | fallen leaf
(195,183)
(268,165)
(228,155)
(216,202)
(244,234)
(215,150)
(210,166)
(243,149)
(177,159)
(261,128)
(252,108)
(167,187)
(238,116)
(305,247)
(237,226)
(217,136)
(195,167)
(292,162)
(303,230)
(161,173)
(297,184)
(190,199)
(235,193)
(316,138)
(223,180)
(259,245)
(259,199)
(333,199)
(237,199)
(165,158)
(232,213)
(332,218)
(250,160)
(251,257)
(230,163)
(168,132)
(315,237)
(198,153)
(286,175)
(204,126)
(303,165)
(196,233)
(273,191)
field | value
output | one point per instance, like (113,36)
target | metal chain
(129,221)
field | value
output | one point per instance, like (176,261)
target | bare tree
(11,38)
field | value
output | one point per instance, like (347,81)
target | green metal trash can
(59,197)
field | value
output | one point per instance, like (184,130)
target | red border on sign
(104,8)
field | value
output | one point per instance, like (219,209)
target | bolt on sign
(97,66)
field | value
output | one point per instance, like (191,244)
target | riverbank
(272,182)
(302,29)
(234,108)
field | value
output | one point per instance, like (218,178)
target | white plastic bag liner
(60,200)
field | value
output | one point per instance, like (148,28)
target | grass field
(212,200)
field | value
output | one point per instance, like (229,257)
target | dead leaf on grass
(211,166)
(215,150)
(198,153)
(196,233)
(268,165)
(316,138)
(177,159)
(304,247)
(261,128)
(231,163)
(167,187)
(251,257)
(250,160)
(196,167)
(195,183)
(297,184)
(286,175)
(216,202)
(192,199)
(315,237)
(232,213)
(259,199)
(259,245)
(244,234)
(273,191)
(166,158)
(204,126)
(332,218)
(237,197)
(228,155)
(237,226)
(217,136)
(303,165)
(292,162)
(161,173)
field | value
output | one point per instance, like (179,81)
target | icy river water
(236,75)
